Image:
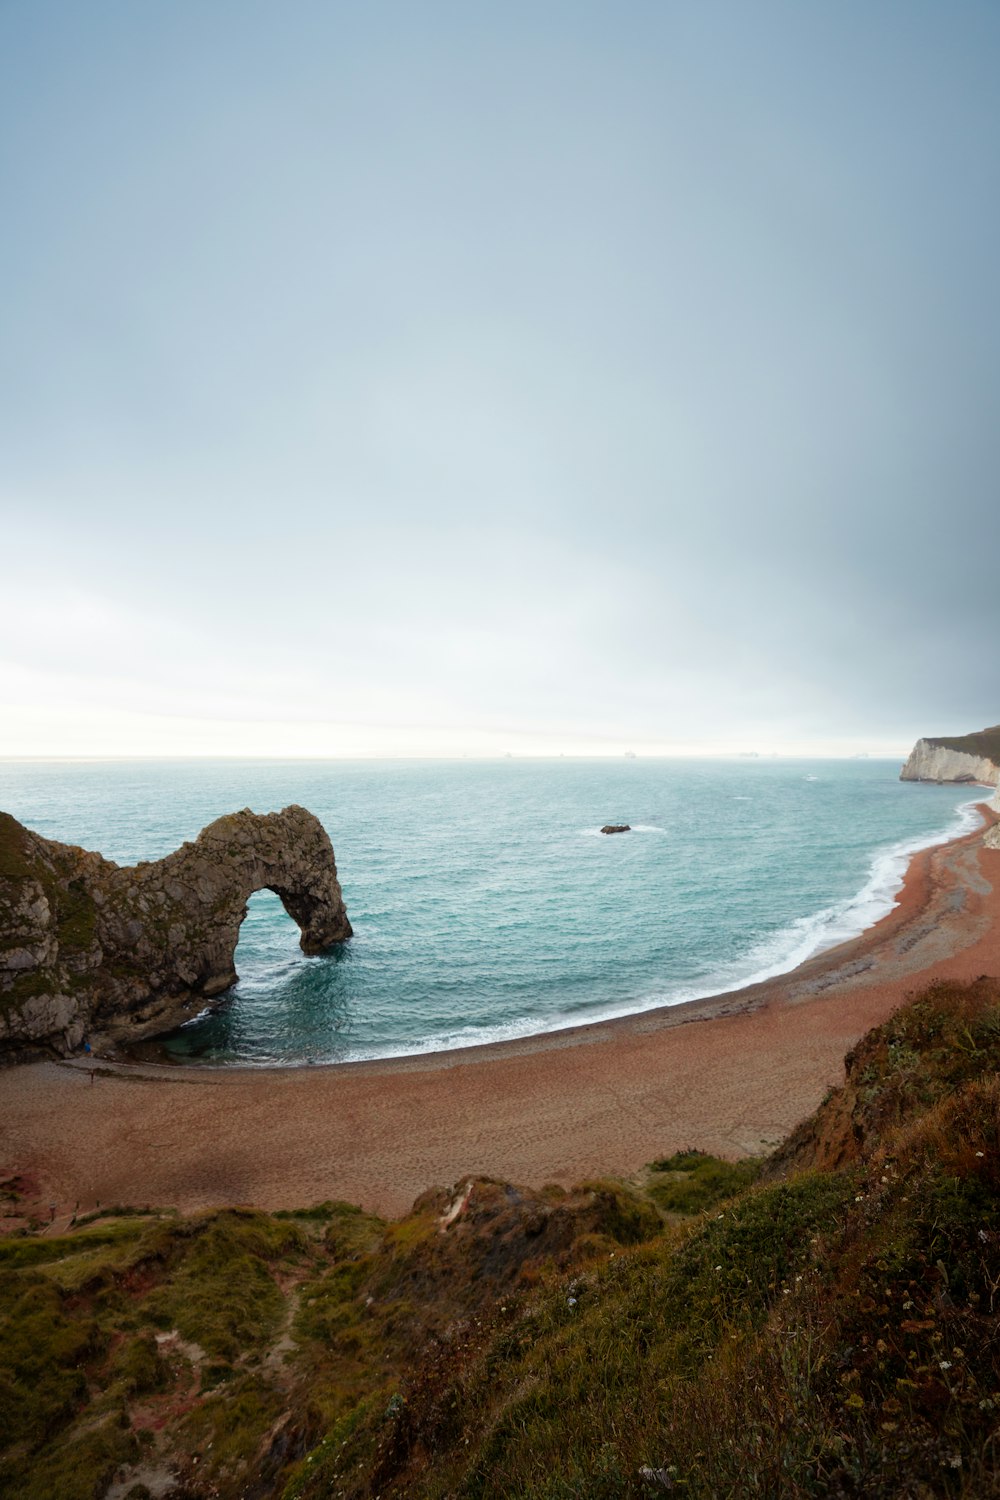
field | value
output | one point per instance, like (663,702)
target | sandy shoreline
(559,1107)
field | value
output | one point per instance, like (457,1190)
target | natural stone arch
(121,953)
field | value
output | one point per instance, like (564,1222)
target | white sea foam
(775,955)
(193,1020)
(633,828)
(443,956)
(809,935)
(464,1036)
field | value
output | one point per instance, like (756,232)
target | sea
(485,902)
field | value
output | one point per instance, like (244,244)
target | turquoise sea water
(484,901)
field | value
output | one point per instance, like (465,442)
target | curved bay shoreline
(558,1107)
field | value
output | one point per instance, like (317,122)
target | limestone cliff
(991,838)
(91,950)
(969,757)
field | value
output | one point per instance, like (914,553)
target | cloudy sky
(443,378)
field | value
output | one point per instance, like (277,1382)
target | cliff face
(930,760)
(89,950)
(991,838)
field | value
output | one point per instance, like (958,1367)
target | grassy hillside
(984,742)
(823,1323)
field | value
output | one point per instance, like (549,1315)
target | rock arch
(89,948)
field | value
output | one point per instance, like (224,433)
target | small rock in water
(617,828)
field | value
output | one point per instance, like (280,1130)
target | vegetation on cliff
(983,742)
(824,1323)
(45,910)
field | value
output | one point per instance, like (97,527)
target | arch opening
(266,925)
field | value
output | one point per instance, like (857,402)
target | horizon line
(748,755)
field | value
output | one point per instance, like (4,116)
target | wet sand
(731,1075)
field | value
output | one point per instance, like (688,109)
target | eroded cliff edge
(991,838)
(968,757)
(92,950)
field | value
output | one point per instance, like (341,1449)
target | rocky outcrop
(932,760)
(991,838)
(617,828)
(93,951)
(972,758)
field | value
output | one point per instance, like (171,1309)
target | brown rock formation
(90,950)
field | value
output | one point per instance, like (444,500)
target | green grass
(221,1293)
(984,742)
(80,1469)
(690,1182)
(791,1332)
(76,925)
(229,1426)
(15,863)
(137,1367)
(75,913)
(73,909)
(43,1346)
(19,1252)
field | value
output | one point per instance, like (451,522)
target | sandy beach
(730,1075)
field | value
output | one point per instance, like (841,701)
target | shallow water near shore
(487,905)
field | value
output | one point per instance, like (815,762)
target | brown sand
(731,1075)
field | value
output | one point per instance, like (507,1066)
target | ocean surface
(485,903)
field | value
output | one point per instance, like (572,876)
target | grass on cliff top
(74,909)
(985,742)
(831,1332)
(689,1182)
(836,1333)
(201,1327)
(79,1319)
(14,861)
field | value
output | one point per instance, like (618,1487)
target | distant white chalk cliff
(973,758)
(930,761)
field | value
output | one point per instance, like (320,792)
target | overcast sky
(459,378)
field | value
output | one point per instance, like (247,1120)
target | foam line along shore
(558,1107)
